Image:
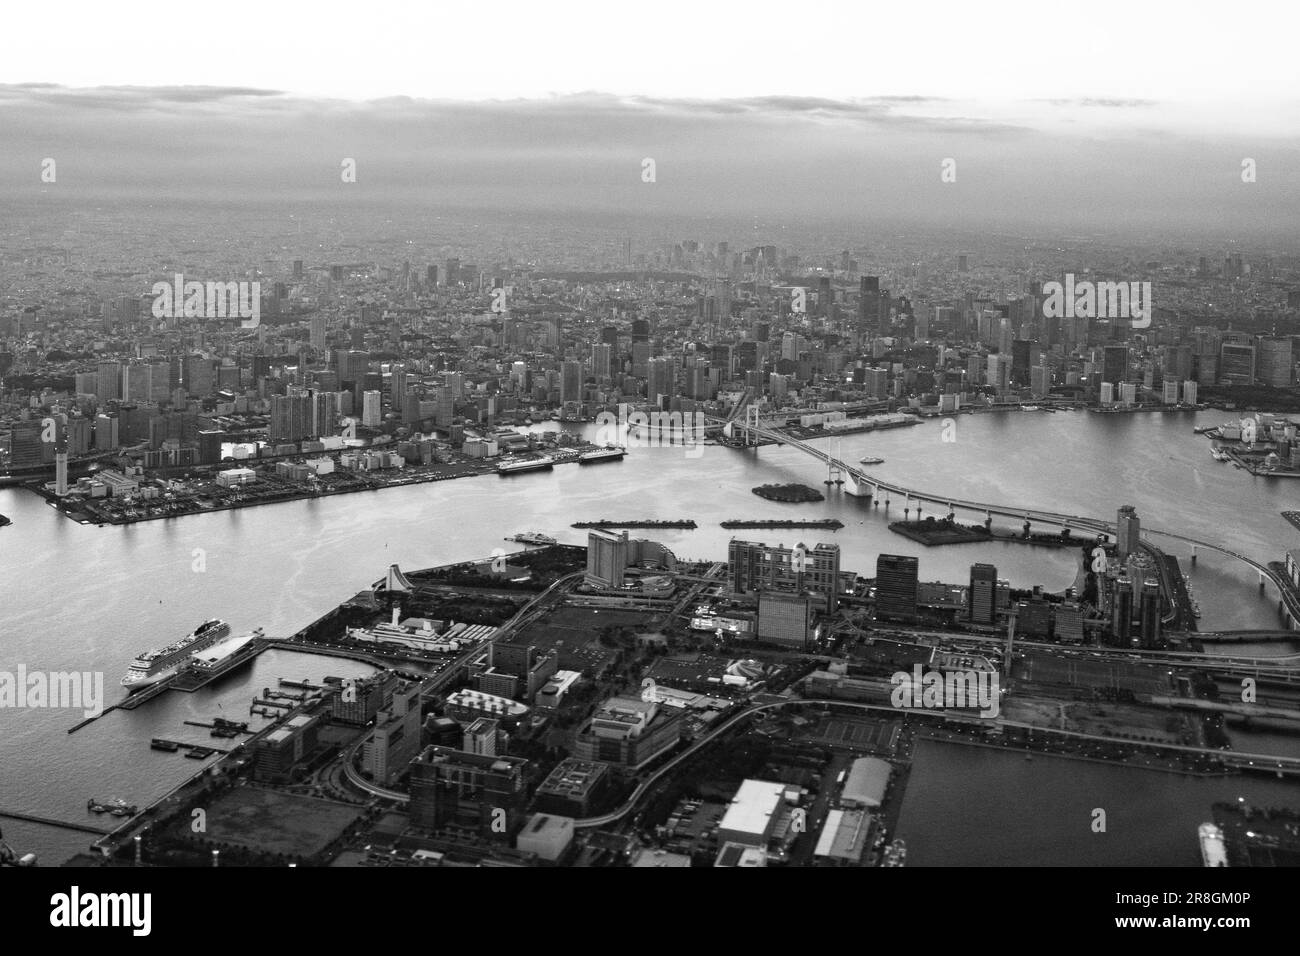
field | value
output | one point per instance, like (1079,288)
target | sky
(1100,113)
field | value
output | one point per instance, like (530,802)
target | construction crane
(9,858)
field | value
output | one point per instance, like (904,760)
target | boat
(119,807)
(1202,429)
(533,537)
(212,657)
(609,453)
(1214,852)
(170,746)
(871,461)
(155,665)
(1218,454)
(1029,408)
(531,464)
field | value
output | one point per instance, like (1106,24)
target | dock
(50,822)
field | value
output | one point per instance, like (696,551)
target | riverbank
(267,490)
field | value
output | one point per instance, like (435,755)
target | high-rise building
(372,409)
(291,418)
(607,553)
(1128,532)
(1237,364)
(108,387)
(1121,617)
(896,586)
(570,382)
(983,593)
(1275,364)
(1149,615)
(1114,366)
(660,378)
(318,331)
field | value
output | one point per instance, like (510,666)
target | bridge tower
(907,506)
(952,512)
(988,520)
(751,424)
(1011,640)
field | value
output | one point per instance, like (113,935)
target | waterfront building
(982,594)
(1128,532)
(896,587)
(755,567)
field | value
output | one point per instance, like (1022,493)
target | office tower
(922,330)
(873,306)
(1189,393)
(601,361)
(1021,362)
(1275,365)
(371,409)
(431,276)
(137,381)
(25,444)
(317,335)
(1128,532)
(755,567)
(824,296)
(983,593)
(607,553)
(1237,364)
(896,587)
(962,264)
(1040,381)
(452,272)
(1121,621)
(324,413)
(876,382)
(446,407)
(1114,367)
(290,418)
(397,386)
(1149,615)
(609,336)
(660,378)
(1176,361)
(200,376)
(640,331)
(106,433)
(570,382)
(108,386)
(297,270)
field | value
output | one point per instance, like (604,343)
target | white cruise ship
(152,666)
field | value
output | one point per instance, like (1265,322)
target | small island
(641,523)
(829,524)
(4,521)
(792,493)
(940,531)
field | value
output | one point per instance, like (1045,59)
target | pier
(51,822)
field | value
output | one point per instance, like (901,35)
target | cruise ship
(152,666)
(531,464)
(610,453)
(1214,851)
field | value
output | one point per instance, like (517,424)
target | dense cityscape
(405,477)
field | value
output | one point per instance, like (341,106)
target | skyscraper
(606,558)
(1115,364)
(896,587)
(983,593)
(1149,615)
(1128,531)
